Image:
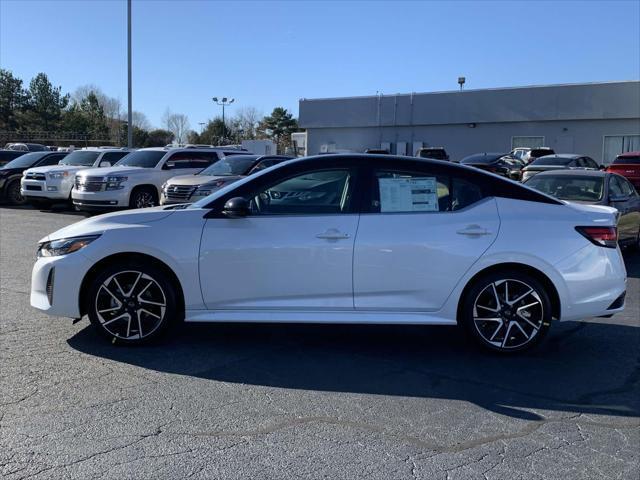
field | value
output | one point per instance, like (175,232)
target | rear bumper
(595,281)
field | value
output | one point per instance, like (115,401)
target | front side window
(322,192)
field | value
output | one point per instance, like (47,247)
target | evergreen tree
(12,100)
(278,126)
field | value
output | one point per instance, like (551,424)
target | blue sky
(268,54)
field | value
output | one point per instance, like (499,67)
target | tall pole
(130,112)
(223,101)
(224,125)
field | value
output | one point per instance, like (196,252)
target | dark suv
(11,173)
(436,153)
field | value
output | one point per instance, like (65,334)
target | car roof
(575,173)
(629,154)
(562,155)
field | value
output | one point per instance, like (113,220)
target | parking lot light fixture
(224,101)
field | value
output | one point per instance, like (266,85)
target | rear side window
(627,160)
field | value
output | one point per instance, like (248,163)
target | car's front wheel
(131,302)
(13,193)
(143,197)
(506,311)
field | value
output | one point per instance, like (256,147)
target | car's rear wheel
(143,197)
(506,311)
(13,193)
(132,302)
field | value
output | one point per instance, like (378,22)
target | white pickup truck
(43,186)
(136,180)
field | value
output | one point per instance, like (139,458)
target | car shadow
(580,368)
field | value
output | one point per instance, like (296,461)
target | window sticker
(416,194)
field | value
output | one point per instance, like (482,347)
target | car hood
(56,168)
(202,179)
(99,224)
(98,172)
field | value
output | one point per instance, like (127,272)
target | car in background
(596,187)
(342,239)
(498,163)
(11,173)
(528,155)
(190,188)
(26,147)
(43,186)
(435,153)
(136,180)
(627,165)
(7,155)
(559,161)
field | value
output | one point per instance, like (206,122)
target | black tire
(501,326)
(124,303)
(143,197)
(14,196)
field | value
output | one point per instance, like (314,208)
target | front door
(294,250)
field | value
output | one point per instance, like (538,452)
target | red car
(627,165)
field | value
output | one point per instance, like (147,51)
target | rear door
(422,230)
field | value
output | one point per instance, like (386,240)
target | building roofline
(518,87)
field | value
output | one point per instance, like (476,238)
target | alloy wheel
(14,194)
(508,313)
(130,305)
(144,200)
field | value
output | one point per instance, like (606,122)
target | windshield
(142,158)
(569,187)
(482,158)
(80,158)
(629,160)
(551,161)
(26,160)
(232,165)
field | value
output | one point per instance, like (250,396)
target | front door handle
(333,234)
(473,231)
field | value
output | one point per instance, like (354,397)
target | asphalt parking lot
(279,401)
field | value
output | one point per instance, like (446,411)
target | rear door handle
(473,231)
(333,234)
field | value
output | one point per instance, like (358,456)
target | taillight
(601,236)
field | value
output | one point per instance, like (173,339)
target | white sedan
(342,239)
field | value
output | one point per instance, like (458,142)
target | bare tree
(246,120)
(178,124)
(140,120)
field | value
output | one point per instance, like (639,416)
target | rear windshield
(627,160)
(233,165)
(25,161)
(80,158)
(569,187)
(483,158)
(541,152)
(437,153)
(142,158)
(551,161)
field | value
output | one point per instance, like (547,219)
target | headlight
(64,246)
(58,174)
(115,182)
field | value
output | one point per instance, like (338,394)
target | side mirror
(618,198)
(169,165)
(236,207)
(105,163)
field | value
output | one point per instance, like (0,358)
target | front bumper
(100,200)
(49,189)
(68,273)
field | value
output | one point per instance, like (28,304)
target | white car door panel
(413,261)
(280,262)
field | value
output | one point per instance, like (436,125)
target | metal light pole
(130,112)
(224,101)
(202,124)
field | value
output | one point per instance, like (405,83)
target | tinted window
(310,193)
(552,161)
(191,159)
(25,161)
(627,160)
(233,165)
(569,187)
(464,193)
(483,158)
(113,157)
(627,188)
(51,160)
(615,187)
(541,152)
(142,158)
(80,158)
(591,163)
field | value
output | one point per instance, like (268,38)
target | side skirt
(329,317)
